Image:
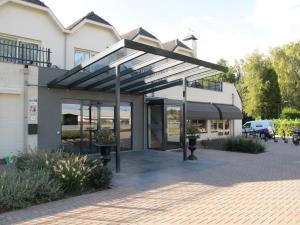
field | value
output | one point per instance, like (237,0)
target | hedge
(287,125)
(235,144)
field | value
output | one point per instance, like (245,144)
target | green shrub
(100,176)
(39,159)
(287,125)
(290,113)
(73,172)
(19,189)
(235,144)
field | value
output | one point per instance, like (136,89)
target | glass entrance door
(90,124)
(173,126)
(155,126)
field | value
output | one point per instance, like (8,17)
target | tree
(286,62)
(229,76)
(258,87)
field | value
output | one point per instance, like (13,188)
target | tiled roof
(172,45)
(36,2)
(90,16)
(138,31)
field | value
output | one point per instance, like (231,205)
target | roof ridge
(36,2)
(90,16)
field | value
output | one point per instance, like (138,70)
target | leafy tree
(286,62)
(229,76)
(290,113)
(258,87)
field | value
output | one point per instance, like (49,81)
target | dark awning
(143,69)
(229,112)
(202,111)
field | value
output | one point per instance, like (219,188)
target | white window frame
(90,52)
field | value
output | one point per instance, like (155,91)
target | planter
(105,150)
(192,147)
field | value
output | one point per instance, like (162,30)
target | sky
(228,29)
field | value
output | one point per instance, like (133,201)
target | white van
(260,126)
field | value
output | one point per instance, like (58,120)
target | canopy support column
(117,119)
(184,81)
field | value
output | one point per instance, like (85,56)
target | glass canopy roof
(142,68)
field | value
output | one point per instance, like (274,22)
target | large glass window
(201,125)
(71,125)
(81,119)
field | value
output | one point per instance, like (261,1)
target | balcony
(207,85)
(25,53)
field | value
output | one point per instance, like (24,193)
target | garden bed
(44,176)
(235,144)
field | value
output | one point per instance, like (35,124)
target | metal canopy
(135,68)
(143,69)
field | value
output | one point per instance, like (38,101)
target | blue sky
(229,29)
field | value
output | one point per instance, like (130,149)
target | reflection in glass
(70,134)
(173,126)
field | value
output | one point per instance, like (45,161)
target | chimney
(191,38)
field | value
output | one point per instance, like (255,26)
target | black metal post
(117,119)
(184,119)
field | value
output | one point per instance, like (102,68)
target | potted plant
(192,134)
(105,139)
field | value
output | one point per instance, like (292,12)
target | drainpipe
(65,51)
(25,108)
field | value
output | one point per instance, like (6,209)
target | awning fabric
(143,69)
(207,111)
(202,111)
(229,112)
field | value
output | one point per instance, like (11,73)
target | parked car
(296,137)
(262,127)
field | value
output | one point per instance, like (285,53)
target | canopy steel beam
(117,120)
(169,85)
(125,72)
(105,53)
(142,75)
(133,87)
(148,86)
(106,68)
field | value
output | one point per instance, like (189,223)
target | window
(201,125)
(247,125)
(28,51)
(8,49)
(81,56)
(222,127)
(15,51)
(214,126)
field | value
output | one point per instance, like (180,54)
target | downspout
(65,51)
(25,108)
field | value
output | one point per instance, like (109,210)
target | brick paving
(158,188)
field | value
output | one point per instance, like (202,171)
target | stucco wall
(12,112)
(229,95)
(50,110)
(36,25)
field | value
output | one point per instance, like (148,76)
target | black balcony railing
(207,84)
(24,53)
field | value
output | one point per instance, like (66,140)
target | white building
(35,48)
